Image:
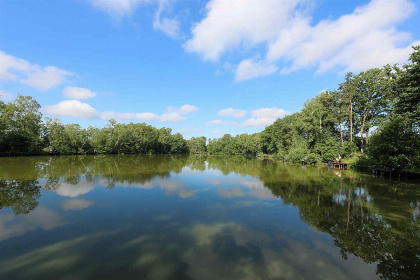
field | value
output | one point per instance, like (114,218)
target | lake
(196,217)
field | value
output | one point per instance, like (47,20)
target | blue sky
(198,67)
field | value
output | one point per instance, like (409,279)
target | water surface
(186,217)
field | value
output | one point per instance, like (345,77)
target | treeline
(372,116)
(243,144)
(23,131)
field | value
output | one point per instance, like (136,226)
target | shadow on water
(192,217)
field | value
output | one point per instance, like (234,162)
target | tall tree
(22,121)
(407,87)
(372,90)
(348,90)
(339,110)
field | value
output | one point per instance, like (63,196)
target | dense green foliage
(243,144)
(384,101)
(20,125)
(24,132)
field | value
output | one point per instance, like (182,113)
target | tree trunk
(367,136)
(351,120)
(341,134)
(361,130)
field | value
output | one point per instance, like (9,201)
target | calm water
(185,217)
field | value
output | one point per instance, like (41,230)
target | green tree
(407,88)
(372,99)
(21,121)
(348,91)
(396,145)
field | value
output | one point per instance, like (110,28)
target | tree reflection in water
(374,219)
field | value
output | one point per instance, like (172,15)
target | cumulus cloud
(171,117)
(123,116)
(229,24)
(183,110)
(107,115)
(230,112)
(285,29)
(147,116)
(261,117)
(20,70)
(249,69)
(76,108)
(176,114)
(269,113)
(173,114)
(265,116)
(217,131)
(78,92)
(349,42)
(258,121)
(72,108)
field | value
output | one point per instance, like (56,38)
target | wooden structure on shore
(386,171)
(340,165)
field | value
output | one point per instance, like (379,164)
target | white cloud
(171,117)
(265,116)
(9,65)
(46,78)
(176,114)
(5,95)
(78,93)
(365,38)
(123,116)
(183,110)
(147,116)
(72,108)
(229,24)
(221,122)
(168,26)
(187,109)
(349,42)
(269,113)
(173,114)
(217,131)
(20,70)
(258,122)
(250,68)
(261,117)
(230,112)
(107,115)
